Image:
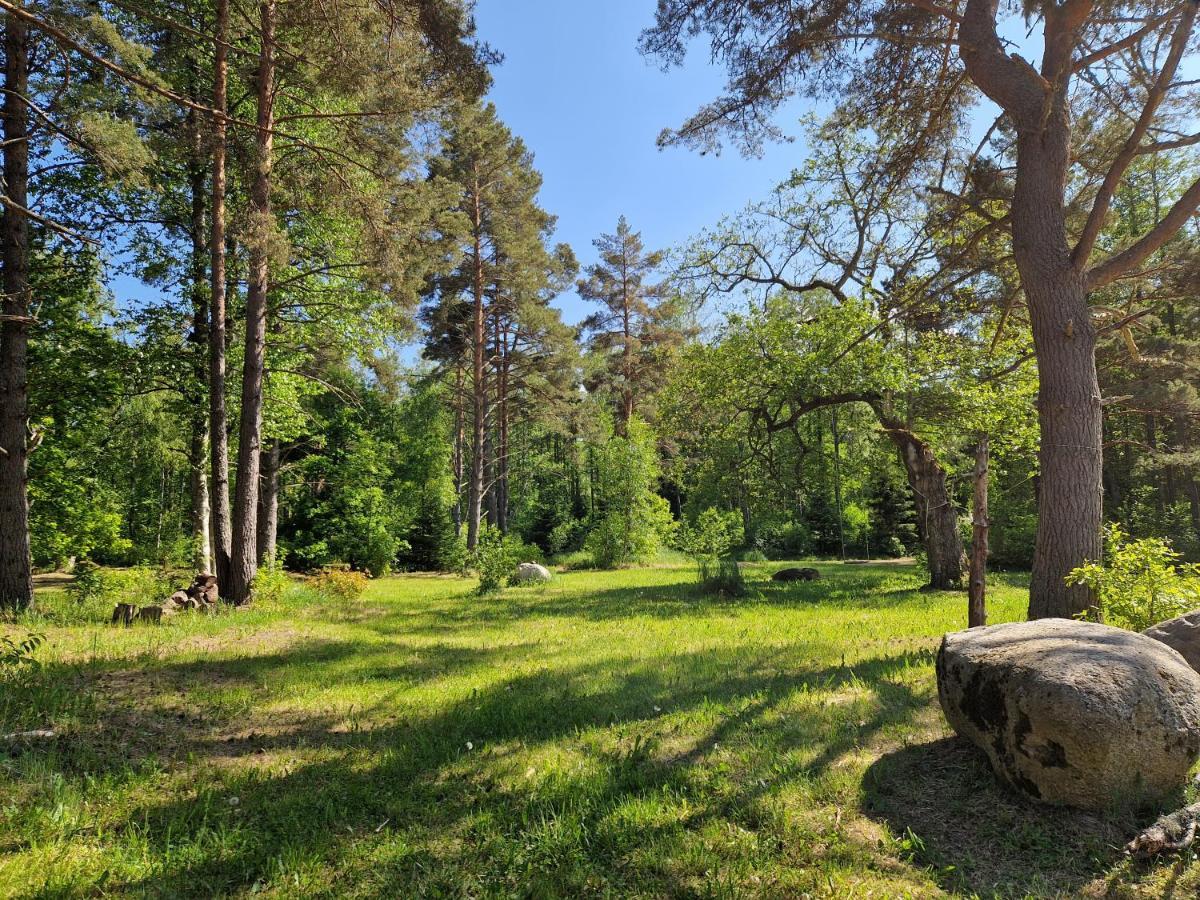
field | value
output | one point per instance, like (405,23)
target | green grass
(610,734)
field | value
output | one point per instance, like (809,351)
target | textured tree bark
(244,563)
(16,563)
(935,507)
(479,386)
(218,424)
(268,512)
(201,519)
(981,523)
(502,426)
(1070,502)
(1056,289)
(457,460)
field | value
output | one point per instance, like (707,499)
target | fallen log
(40,734)
(1170,834)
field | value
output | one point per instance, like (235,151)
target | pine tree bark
(244,562)
(268,511)
(457,459)
(981,523)
(1056,285)
(479,385)
(201,519)
(1070,502)
(16,563)
(218,421)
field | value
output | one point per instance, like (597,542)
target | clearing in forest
(608,734)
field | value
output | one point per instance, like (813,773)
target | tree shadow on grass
(432,778)
(979,836)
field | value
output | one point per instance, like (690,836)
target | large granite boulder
(1073,712)
(531,573)
(1181,634)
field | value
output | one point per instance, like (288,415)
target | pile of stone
(201,595)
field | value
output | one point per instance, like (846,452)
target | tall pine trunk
(981,523)
(218,422)
(268,504)
(1070,502)
(16,563)
(201,519)
(502,502)
(479,396)
(457,459)
(244,563)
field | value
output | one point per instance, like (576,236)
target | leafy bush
(632,522)
(568,537)
(340,583)
(17,657)
(495,558)
(710,538)
(1139,583)
(271,583)
(725,580)
(620,538)
(141,585)
(784,540)
(754,556)
(709,541)
(90,582)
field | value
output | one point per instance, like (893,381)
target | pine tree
(632,336)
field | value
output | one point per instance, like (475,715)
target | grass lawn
(610,734)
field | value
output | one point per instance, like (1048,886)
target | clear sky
(590,107)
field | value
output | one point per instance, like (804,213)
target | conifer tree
(631,337)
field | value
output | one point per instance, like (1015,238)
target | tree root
(1170,834)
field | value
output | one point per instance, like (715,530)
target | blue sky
(590,107)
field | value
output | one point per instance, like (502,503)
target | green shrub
(340,583)
(95,586)
(17,657)
(90,583)
(271,583)
(495,558)
(1139,582)
(784,540)
(568,537)
(754,556)
(709,541)
(725,580)
(624,537)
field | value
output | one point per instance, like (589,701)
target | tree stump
(124,613)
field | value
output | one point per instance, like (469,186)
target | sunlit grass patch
(607,734)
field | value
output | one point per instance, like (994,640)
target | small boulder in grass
(797,574)
(531,573)
(1074,713)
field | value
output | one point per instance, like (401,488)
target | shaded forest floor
(610,734)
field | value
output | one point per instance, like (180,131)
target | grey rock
(1181,634)
(1072,712)
(531,573)
(796,575)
